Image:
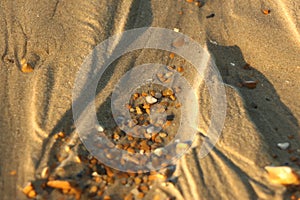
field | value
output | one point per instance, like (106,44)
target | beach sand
(55,37)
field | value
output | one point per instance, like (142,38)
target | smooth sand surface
(57,35)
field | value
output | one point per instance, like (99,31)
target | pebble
(167,92)
(284,145)
(178,42)
(138,111)
(45,173)
(100,128)
(150,129)
(249,84)
(283,175)
(26,67)
(159,151)
(163,134)
(151,100)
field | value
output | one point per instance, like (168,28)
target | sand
(57,35)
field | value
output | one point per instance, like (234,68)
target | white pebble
(100,128)
(151,100)
(150,129)
(283,145)
(176,30)
(159,151)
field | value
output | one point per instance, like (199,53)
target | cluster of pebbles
(76,175)
(92,179)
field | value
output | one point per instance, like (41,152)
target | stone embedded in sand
(265,11)
(178,42)
(151,100)
(283,175)
(284,145)
(249,84)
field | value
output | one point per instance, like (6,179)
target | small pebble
(176,30)
(100,128)
(151,100)
(45,173)
(284,145)
(150,129)
(158,95)
(163,134)
(159,151)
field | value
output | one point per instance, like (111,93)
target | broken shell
(284,145)
(283,175)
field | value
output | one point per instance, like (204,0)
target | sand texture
(55,36)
